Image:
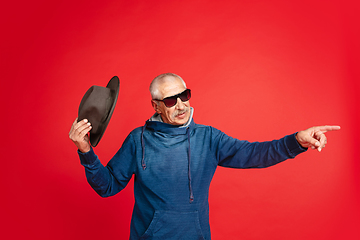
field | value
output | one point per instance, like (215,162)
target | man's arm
(105,180)
(235,153)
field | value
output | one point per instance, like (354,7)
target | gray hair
(156,82)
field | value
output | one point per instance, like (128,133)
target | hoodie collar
(155,123)
(160,126)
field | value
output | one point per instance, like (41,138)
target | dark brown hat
(97,106)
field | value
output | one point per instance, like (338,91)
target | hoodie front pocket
(174,225)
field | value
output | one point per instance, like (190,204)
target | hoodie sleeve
(234,153)
(112,178)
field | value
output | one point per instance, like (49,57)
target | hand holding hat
(95,111)
(79,135)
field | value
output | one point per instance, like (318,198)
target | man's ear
(155,106)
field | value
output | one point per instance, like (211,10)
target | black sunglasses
(172,100)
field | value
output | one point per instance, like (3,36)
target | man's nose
(180,105)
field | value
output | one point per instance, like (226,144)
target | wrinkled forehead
(171,86)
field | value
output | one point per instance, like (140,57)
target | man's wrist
(84,149)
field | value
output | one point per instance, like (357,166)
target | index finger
(327,128)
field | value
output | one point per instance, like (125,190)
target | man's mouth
(181,114)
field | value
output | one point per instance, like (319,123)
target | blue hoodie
(173,168)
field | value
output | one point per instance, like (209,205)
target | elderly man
(174,159)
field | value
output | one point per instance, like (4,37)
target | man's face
(175,115)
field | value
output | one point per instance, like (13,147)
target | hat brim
(113,84)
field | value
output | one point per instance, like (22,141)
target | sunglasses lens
(169,102)
(185,95)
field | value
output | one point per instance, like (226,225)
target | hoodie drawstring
(143,148)
(189,169)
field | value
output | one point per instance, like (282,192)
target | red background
(258,70)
